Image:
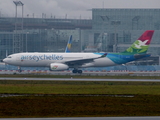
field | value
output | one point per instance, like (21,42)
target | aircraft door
(18,59)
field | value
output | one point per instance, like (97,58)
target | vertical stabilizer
(141,45)
(68,47)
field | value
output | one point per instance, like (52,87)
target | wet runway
(81,79)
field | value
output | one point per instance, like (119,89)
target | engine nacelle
(58,66)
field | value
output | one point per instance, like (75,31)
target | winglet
(104,55)
(68,47)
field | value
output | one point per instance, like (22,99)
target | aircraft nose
(4,60)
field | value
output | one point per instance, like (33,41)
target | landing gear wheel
(19,70)
(80,71)
(74,71)
(77,71)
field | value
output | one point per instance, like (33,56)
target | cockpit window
(9,57)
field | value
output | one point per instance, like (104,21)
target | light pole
(115,23)
(26,40)
(18,40)
(105,20)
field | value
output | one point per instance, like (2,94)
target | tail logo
(69,46)
(140,44)
(138,47)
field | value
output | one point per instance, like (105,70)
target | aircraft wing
(83,61)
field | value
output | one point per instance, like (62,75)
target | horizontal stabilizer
(138,56)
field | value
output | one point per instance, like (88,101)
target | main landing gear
(76,71)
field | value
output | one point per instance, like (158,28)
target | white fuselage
(45,59)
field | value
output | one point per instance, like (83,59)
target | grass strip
(144,100)
(79,87)
(79,106)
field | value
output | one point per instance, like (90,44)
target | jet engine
(58,66)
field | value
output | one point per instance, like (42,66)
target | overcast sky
(70,8)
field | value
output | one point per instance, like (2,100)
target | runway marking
(82,79)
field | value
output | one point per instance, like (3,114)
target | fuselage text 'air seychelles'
(64,61)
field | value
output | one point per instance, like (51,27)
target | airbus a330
(64,61)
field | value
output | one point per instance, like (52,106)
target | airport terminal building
(124,26)
(109,30)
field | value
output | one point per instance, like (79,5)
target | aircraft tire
(19,70)
(74,71)
(79,71)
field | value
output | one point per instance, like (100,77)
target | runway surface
(81,79)
(88,118)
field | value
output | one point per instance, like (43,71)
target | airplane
(64,61)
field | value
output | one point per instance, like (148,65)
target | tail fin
(141,45)
(68,47)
